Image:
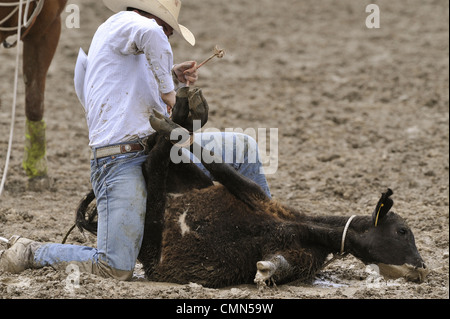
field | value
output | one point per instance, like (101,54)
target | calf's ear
(383,207)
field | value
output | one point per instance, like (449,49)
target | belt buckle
(125,148)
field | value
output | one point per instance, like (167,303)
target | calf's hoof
(168,128)
(264,273)
(162,124)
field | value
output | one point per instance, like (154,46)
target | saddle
(27,22)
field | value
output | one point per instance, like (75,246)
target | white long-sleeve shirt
(129,64)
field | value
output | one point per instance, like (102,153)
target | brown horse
(40,39)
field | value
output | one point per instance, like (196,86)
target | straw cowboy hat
(166,10)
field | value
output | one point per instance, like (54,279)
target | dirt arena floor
(357,110)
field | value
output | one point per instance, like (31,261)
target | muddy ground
(357,110)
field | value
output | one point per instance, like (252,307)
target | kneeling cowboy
(128,74)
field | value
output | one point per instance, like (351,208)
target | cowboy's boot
(19,255)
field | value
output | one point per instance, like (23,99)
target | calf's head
(389,243)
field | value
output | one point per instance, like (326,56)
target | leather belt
(116,150)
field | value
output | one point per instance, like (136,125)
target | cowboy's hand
(170,99)
(186,72)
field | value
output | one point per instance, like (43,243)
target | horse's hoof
(41,183)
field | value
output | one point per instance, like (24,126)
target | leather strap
(116,150)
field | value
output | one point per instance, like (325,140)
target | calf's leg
(155,169)
(287,265)
(243,188)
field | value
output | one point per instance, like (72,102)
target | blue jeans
(121,194)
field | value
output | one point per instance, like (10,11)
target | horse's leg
(38,52)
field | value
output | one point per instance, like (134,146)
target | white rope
(13,112)
(11,4)
(344,233)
